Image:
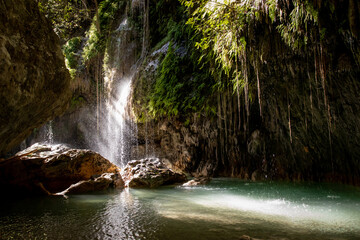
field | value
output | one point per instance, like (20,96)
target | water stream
(224,209)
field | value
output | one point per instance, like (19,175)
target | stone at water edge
(44,169)
(150,173)
(197,181)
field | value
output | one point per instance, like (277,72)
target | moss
(96,42)
(71,53)
(180,87)
(76,101)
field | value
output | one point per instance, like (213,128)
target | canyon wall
(34,81)
(305,126)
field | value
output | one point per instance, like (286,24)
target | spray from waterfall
(49,133)
(115,133)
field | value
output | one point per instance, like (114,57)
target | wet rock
(256,144)
(254,176)
(35,84)
(151,173)
(197,181)
(100,183)
(50,168)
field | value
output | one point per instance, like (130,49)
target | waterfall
(108,127)
(116,131)
(114,134)
(49,133)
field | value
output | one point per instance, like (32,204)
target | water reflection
(225,209)
(125,217)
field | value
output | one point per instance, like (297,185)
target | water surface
(223,209)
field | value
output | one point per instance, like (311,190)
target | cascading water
(113,131)
(109,129)
(49,133)
(116,132)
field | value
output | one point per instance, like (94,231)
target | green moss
(71,53)
(96,42)
(168,87)
(180,88)
(76,101)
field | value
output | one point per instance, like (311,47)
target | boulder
(150,173)
(51,168)
(103,182)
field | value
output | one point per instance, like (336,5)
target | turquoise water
(223,209)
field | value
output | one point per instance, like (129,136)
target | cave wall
(34,82)
(308,127)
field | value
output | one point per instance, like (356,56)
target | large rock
(34,82)
(151,173)
(50,169)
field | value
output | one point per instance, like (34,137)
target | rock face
(151,173)
(34,82)
(51,169)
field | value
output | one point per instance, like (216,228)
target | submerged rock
(51,168)
(150,172)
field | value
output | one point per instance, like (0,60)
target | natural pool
(223,209)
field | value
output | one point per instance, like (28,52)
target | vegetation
(223,27)
(175,91)
(71,51)
(69,17)
(182,85)
(100,28)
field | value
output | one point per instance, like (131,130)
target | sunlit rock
(150,172)
(50,168)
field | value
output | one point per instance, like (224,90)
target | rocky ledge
(48,169)
(151,173)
